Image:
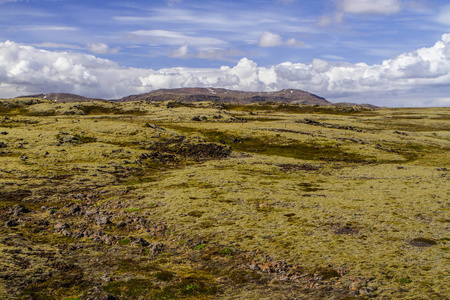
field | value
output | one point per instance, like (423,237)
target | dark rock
(43,222)
(105,278)
(156,248)
(102,220)
(422,242)
(98,294)
(11,223)
(66,232)
(61,226)
(75,209)
(77,235)
(91,212)
(121,224)
(19,209)
(140,242)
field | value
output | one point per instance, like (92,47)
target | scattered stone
(98,294)
(102,220)
(91,212)
(156,248)
(105,278)
(77,235)
(140,242)
(61,226)
(422,242)
(43,222)
(75,209)
(66,232)
(346,230)
(3,145)
(11,223)
(121,224)
(19,209)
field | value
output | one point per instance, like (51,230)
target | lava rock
(61,226)
(140,242)
(11,223)
(102,220)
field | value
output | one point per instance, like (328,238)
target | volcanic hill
(228,96)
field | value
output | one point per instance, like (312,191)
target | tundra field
(168,200)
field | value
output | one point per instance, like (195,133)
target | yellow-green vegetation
(168,200)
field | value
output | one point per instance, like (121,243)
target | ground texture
(205,201)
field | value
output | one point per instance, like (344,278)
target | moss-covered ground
(203,201)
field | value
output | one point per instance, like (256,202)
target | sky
(383,52)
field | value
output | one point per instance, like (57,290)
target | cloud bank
(27,70)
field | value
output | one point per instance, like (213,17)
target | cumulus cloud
(269,39)
(182,52)
(102,48)
(25,69)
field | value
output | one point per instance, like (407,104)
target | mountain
(62,97)
(216,95)
(228,96)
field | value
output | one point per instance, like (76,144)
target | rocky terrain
(181,200)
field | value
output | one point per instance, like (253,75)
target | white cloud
(182,52)
(269,39)
(325,20)
(362,7)
(285,2)
(173,2)
(102,48)
(166,37)
(444,15)
(385,7)
(45,28)
(57,45)
(185,52)
(218,54)
(25,69)
(294,43)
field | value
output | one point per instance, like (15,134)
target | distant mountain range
(216,95)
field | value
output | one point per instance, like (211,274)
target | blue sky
(345,50)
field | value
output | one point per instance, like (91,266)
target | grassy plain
(205,201)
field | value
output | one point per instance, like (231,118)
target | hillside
(217,95)
(61,97)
